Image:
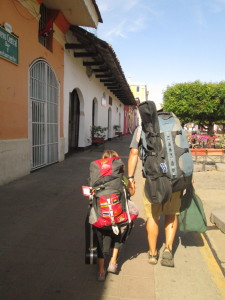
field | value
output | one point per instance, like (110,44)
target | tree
(201,103)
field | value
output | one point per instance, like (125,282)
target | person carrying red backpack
(118,220)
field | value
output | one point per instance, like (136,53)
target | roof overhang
(77,12)
(100,59)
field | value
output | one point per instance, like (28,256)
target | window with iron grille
(44,98)
(45,33)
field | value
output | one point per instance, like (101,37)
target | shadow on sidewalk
(136,242)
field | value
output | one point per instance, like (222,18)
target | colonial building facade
(50,95)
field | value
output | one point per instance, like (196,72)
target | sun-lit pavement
(42,241)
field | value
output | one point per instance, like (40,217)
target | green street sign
(8,46)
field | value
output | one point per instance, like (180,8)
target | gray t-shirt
(136,138)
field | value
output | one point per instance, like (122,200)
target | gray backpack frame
(164,150)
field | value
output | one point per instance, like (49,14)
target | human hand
(131,186)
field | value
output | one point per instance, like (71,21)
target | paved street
(42,241)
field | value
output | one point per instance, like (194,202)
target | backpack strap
(153,134)
(185,150)
(97,188)
(144,152)
(154,189)
(126,201)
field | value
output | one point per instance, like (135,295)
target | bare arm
(132,161)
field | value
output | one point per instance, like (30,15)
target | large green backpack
(164,150)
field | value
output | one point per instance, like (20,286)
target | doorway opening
(74,121)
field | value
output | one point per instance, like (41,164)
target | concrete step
(220,167)
(217,217)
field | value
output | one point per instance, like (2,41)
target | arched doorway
(44,114)
(109,123)
(74,121)
(120,120)
(94,112)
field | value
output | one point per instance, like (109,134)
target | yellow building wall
(141,94)
(134,90)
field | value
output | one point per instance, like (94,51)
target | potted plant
(117,130)
(98,134)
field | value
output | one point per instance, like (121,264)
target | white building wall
(88,88)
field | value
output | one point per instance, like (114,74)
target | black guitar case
(90,243)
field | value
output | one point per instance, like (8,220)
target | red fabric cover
(105,166)
(111,212)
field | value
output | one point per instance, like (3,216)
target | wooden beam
(74,46)
(115,89)
(112,80)
(85,54)
(103,76)
(100,70)
(112,87)
(111,84)
(119,96)
(118,93)
(92,63)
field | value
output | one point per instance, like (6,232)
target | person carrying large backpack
(111,213)
(167,170)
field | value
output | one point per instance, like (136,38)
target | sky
(163,42)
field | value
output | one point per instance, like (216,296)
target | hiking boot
(113,268)
(167,258)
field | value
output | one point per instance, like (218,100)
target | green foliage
(201,103)
(98,131)
(116,127)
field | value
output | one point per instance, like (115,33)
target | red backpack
(109,202)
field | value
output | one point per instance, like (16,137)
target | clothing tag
(115,229)
(86,190)
(163,167)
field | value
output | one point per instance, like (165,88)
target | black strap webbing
(150,153)
(178,132)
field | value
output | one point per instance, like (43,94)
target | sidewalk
(42,240)
(42,237)
(210,186)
